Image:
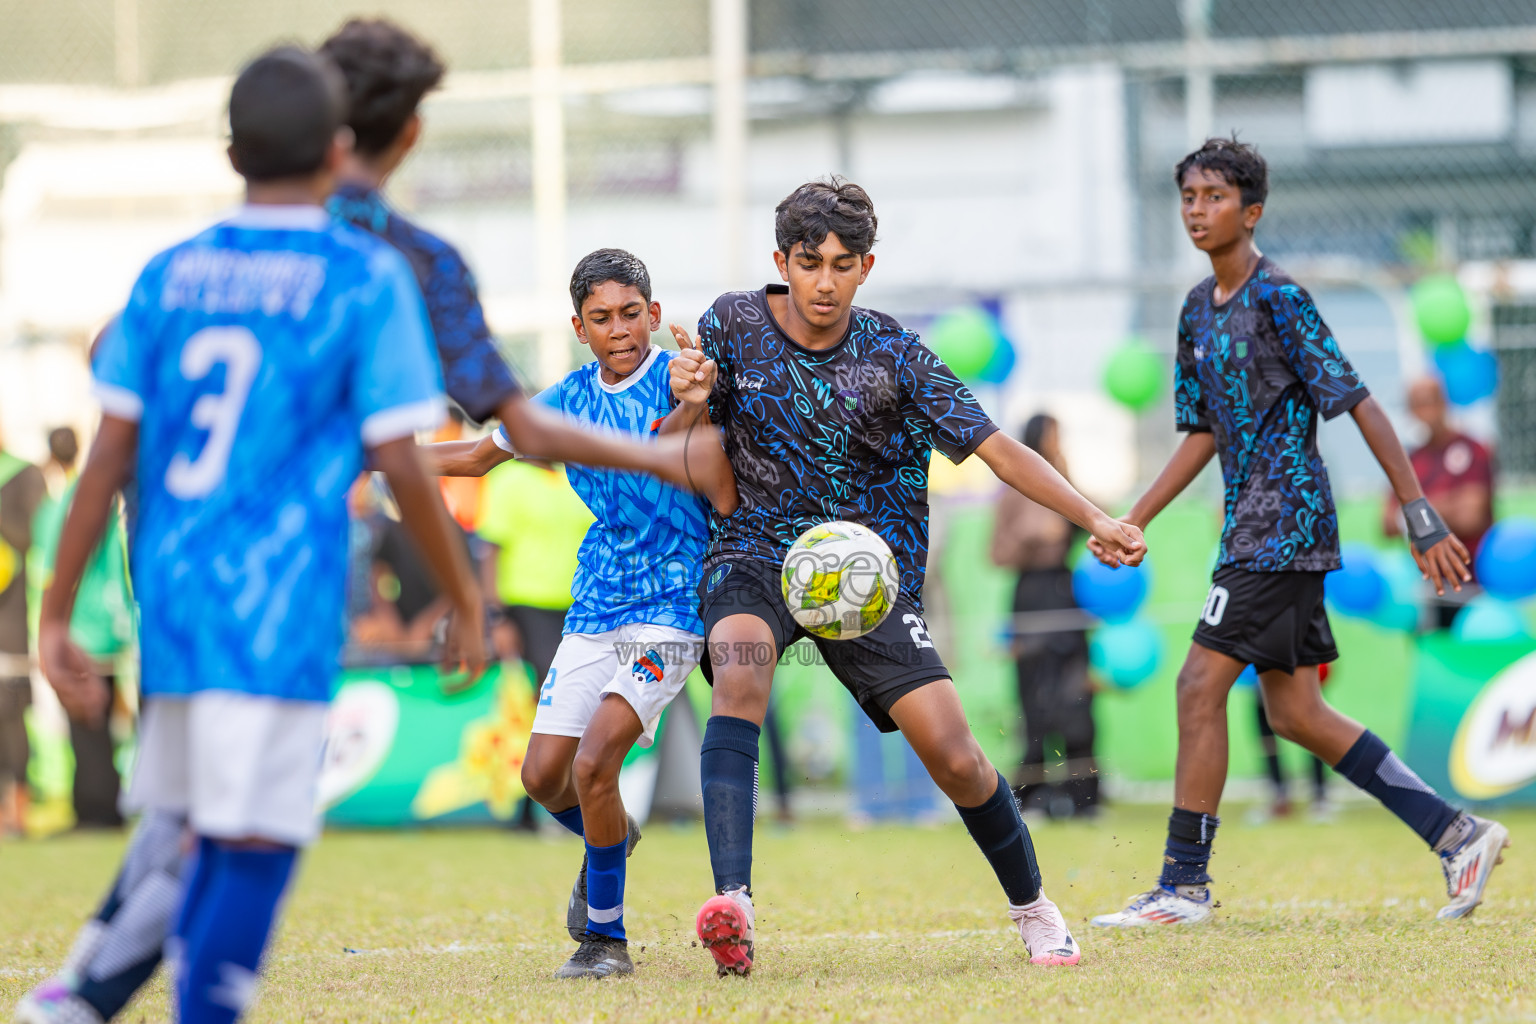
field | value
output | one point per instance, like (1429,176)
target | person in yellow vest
(536,522)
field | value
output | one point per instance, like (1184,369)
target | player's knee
(1197,696)
(1290,719)
(594,771)
(962,768)
(543,781)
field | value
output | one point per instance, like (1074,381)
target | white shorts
(643,663)
(237,766)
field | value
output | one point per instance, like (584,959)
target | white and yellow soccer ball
(840,580)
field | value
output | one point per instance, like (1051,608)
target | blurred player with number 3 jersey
(252,368)
(830,412)
(632,635)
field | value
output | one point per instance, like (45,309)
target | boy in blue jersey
(633,634)
(830,411)
(1256,365)
(252,368)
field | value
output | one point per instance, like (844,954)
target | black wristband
(1425,527)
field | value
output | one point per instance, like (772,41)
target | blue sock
(728,767)
(1190,834)
(227,925)
(999,831)
(1372,766)
(570,818)
(605,888)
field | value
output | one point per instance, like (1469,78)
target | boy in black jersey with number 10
(1256,364)
(829,412)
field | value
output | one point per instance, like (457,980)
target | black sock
(728,768)
(999,831)
(1372,766)
(1188,853)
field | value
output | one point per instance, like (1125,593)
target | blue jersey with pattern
(1256,370)
(640,562)
(840,433)
(476,376)
(259,357)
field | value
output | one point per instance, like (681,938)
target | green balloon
(1441,310)
(1133,376)
(965,339)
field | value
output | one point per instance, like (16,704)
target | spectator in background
(102,625)
(1456,472)
(394,603)
(1051,658)
(63,451)
(536,522)
(21,492)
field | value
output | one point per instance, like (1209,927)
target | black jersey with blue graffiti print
(840,433)
(474,373)
(1256,370)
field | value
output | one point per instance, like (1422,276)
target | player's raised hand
(1445,562)
(1117,543)
(70,672)
(693,374)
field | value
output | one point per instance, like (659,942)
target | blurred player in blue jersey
(830,411)
(633,634)
(1256,366)
(388,72)
(252,368)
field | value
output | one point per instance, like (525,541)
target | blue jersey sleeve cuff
(402,421)
(118,401)
(499,435)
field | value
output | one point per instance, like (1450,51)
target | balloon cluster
(1127,649)
(1441,310)
(1386,588)
(973,345)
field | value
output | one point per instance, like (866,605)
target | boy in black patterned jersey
(829,412)
(1256,366)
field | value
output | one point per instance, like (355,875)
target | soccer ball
(839,580)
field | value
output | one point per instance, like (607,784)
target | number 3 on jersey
(218,413)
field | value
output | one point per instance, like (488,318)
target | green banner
(1472,731)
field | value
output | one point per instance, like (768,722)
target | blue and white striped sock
(605,888)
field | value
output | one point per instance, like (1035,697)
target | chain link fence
(1401,137)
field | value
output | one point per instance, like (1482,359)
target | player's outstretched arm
(1022,468)
(1188,459)
(68,670)
(538,434)
(465,458)
(422,512)
(1441,555)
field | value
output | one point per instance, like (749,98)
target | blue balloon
(1399,609)
(1358,588)
(1127,653)
(1249,676)
(1113,595)
(1506,559)
(1470,374)
(1488,620)
(1004,359)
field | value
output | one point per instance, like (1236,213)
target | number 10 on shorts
(1215,605)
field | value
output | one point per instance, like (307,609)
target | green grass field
(1318,922)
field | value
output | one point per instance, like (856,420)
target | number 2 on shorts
(218,412)
(919,630)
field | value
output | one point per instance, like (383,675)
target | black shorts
(1271,620)
(878,668)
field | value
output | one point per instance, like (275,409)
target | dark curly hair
(608,265)
(817,209)
(388,71)
(1238,163)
